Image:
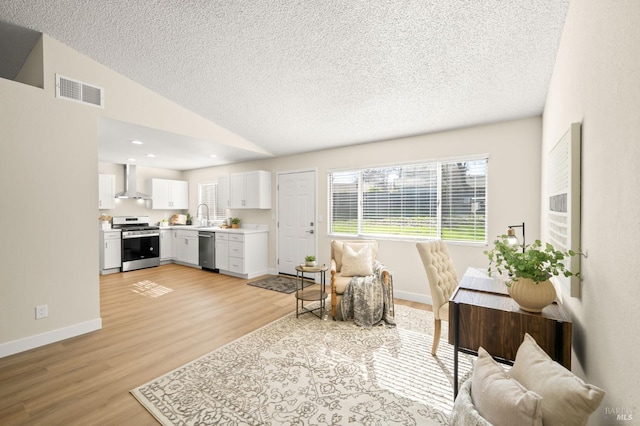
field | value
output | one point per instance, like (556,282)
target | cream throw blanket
(367,300)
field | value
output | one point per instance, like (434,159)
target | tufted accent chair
(443,280)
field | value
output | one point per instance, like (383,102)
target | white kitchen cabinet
(224,200)
(250,190)
(258,190)
(222,251)
(168,194)
(186,246)
(246,254)
(237,190)
(106,191)
(110,251)
(236,254)
(166,244)
(179,194)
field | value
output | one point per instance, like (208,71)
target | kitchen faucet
(207,224)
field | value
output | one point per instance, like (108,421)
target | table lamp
(511,236)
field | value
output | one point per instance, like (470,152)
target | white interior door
(296,219)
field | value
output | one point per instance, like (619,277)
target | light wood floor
(86,380)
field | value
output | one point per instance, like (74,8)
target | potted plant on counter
(310,261)
(529,271)
(235,222)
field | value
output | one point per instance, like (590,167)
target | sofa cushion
(464,413)
(567,399)
(337,248)
(500,399)
(341,283)
(356,260)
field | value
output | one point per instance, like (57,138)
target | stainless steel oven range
(140,242)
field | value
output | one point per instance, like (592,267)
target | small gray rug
(280,283)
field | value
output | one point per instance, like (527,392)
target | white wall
(49,191)
(595,81)
(43,184)
(513,197)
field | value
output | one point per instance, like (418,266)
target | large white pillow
(337,247)
(567,399)
(501,400)
(357,261)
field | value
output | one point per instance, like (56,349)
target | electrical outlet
(42,311)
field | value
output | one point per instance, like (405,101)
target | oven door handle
(140,236)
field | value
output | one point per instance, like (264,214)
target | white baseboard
(398,294)
(412,297)
(21,345)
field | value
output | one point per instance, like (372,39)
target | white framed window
(439,199)
(208,194)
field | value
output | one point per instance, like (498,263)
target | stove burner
(136,227)
(132,223)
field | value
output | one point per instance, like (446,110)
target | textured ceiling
(295,76)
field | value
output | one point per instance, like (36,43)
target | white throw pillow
(501,400)
(337,247)
(567,399)
(357,261)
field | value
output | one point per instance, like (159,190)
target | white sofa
(535,391)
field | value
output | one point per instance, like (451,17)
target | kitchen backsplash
(128,207)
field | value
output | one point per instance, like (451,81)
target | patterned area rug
(309,371)
(276,283)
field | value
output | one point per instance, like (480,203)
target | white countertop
(249,229)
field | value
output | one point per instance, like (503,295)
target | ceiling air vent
(78,91)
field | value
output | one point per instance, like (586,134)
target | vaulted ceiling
(296,76)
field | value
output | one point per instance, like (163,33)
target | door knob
(310,231)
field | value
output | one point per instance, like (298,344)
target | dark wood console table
(481,313)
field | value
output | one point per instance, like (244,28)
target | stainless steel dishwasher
(207,250)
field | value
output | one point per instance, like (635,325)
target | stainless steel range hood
(130,189)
